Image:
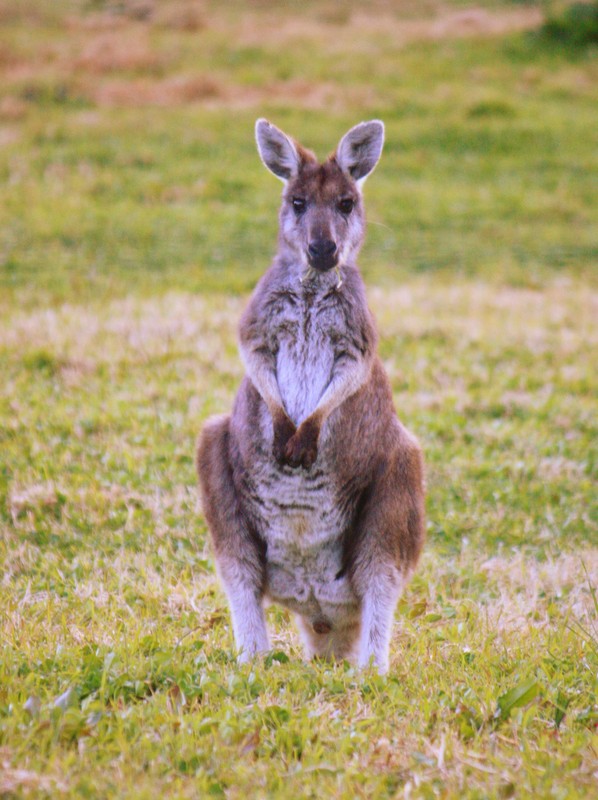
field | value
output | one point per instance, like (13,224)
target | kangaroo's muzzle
(322,254)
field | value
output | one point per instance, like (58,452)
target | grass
(134,218)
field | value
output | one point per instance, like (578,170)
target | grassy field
(134,218)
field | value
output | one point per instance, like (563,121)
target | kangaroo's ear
(359,149)
(277,150)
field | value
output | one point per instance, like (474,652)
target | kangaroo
(312,488)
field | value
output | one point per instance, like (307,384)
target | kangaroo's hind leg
(385,546)
(238,550)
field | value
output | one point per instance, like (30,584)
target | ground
(135,216)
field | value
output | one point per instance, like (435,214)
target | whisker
(381,225)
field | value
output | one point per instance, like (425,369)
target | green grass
(134,218)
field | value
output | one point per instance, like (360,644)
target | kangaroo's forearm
(261,369)
(259,363)
(348,376)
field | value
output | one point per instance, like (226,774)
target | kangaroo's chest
(307,334)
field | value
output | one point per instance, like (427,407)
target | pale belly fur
(303,527)
(303,532)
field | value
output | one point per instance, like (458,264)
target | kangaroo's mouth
(323,263)
(311,273)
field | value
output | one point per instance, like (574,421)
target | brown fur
(350,452)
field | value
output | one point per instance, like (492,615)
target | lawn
(135,217)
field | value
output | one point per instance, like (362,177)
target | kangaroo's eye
(299,205)
(346,205)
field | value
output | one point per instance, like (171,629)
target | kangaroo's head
(322,220)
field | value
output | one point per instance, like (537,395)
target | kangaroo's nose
(321,249)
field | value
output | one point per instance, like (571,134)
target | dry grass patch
(560,312)
(41,496)
(527,589)
(122,40)
(404,23)
(563,313)
(15,781)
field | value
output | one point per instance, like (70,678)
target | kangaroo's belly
(303,525)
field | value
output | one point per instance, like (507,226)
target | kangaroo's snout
(322,254)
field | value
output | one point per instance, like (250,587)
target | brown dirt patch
(180,16)
(117,51)
(12,109)
(215,92)
(167,92)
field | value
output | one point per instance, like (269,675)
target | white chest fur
(305,356)
(303,371)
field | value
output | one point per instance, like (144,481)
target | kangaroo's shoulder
(273,293)
(353,305)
